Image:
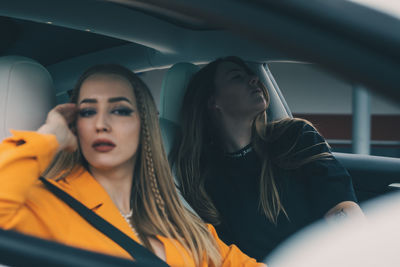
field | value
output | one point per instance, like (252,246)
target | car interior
(46,46)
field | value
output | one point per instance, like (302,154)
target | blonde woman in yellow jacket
(105,150)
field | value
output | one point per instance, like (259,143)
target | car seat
(173,89)
(26,94)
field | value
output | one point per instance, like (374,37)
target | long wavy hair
(198,131)
(155,202)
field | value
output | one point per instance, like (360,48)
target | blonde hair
(155,201)
(197,132)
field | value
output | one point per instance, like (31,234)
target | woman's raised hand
(58,123)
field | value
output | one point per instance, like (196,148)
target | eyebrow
(118,99)
(110,100)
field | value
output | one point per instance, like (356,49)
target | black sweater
(307,193)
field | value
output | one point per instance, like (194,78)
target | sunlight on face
(108,124)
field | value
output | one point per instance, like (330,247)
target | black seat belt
(137,251)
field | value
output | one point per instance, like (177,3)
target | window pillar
(361,120)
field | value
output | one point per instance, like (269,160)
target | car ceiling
(160,34)
(178,19)
(132,35)
(49,44)
(167,32)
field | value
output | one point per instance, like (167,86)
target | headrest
(173,89)
(26,94)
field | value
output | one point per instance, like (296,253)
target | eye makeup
(122,111)
(119,110)
(86,112)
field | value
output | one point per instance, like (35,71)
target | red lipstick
(103,145)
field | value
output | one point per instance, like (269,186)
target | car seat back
(173,89)
(26,94)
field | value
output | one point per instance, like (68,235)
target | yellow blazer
(28,207)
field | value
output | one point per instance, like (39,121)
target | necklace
(241,153)
(128,219)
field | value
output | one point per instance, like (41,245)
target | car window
(327,101)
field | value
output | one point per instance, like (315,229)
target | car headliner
(46,43)
(334,34)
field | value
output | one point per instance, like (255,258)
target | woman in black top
(257,182)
